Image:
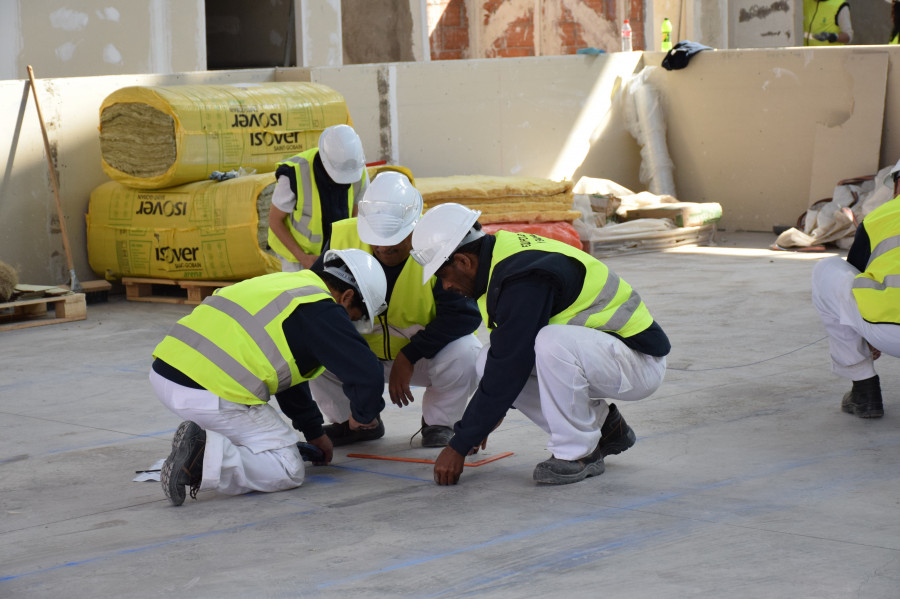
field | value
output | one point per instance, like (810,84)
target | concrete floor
(747,480)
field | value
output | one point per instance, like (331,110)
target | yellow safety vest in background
(233,343)
(410,307)
(895,40)
(606,302)
(305,223)
(877,290)
(821,17)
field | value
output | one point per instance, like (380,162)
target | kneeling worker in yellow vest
(314,189)
(858,300)
(567,334)
(219,365)
(424,338)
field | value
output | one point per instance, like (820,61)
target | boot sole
(548,477)
(871,413)
(169,475)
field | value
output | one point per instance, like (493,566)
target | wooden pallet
(22,314)
(170,291)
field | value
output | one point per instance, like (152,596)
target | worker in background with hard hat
(314,189)
(268,335)
(858,300)
(424,338)
(826,23)
(567,334)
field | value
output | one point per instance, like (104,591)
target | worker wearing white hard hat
(567,335)
(858,300)
(424,338)
(314,189)
(218,367)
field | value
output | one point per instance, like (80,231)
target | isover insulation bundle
(206,230)
(155,137)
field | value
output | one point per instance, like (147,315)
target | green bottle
(666,35)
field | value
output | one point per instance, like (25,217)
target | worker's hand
(448,467)
(358,426)
(876,353)
(826,37)
(323,443)
(398,384)
(306,260)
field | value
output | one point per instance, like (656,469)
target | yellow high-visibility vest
(821,17)
(877,290)
(233,343)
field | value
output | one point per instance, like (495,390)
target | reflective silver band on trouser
(883,247)
(255,327)
(890,282)
(302,226)
(622,314)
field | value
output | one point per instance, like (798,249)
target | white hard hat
(889,180)
(366,275)
(342,154)
(389,210)
(439,233)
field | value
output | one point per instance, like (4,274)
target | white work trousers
(248,448)
(449,379)
(576,370)
(848,333)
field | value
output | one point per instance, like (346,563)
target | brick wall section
(449,22)
(449,38)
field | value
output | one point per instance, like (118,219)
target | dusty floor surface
(747,480)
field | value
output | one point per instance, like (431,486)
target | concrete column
(421,47)
(319,34)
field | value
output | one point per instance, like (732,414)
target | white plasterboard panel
(865,78)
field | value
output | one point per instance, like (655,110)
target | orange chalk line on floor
(421,461)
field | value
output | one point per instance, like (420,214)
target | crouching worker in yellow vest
(219,365)
(858,300)
(567,334)
(424,338)
(314,189)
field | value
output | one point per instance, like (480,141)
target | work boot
(184,466)
(615,435)
(864,399)
(436,435)
(341,434)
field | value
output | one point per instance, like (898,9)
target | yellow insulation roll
(205,230)
(155,137)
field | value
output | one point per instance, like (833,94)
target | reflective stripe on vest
(606,301)
(306,219)
(877,290)
(274,369)
(410,307)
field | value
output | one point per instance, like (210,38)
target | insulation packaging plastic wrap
(205,230)
(156,137)
(645,120)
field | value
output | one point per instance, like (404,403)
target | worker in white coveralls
(858,300)
(219,365)
(424,338)
(567,334)
(314,189)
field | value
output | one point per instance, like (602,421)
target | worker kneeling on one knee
(566,335)
(424,338)
(269,335)
(858,301)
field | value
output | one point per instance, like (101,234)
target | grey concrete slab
(747,480)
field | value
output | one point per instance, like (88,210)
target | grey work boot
(864,399)
(436,435)
(616,437)
(184,466)
(341,434)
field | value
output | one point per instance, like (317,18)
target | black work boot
(341,434)
(864,399)
(615,435)
(184,466)
(435,435)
